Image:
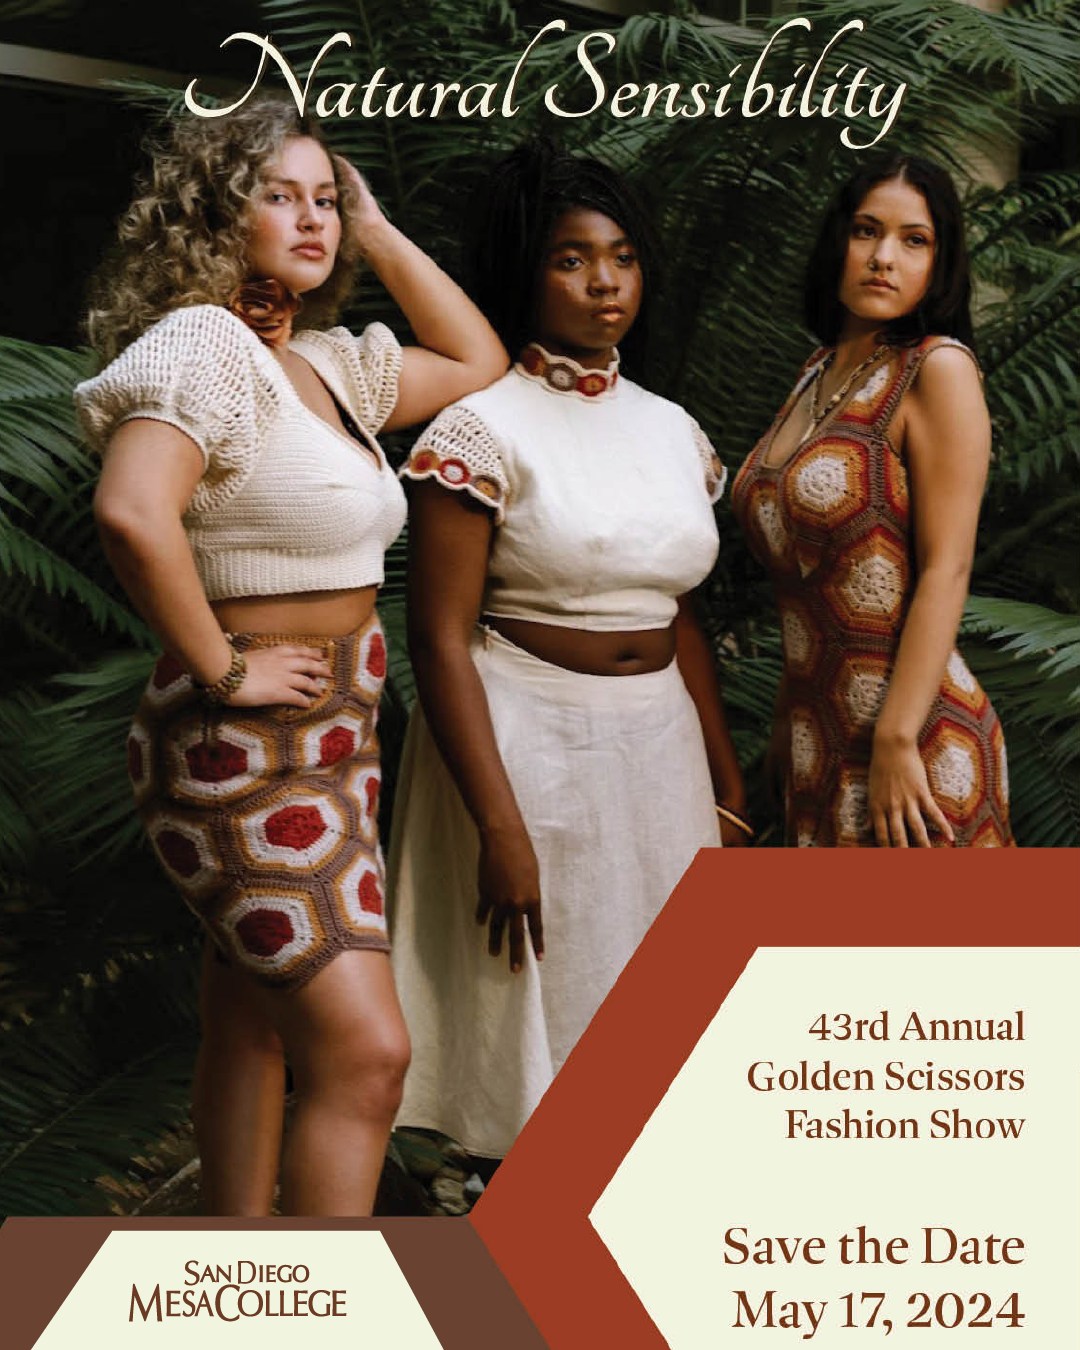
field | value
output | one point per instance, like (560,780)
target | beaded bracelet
(221,690)
(733,818)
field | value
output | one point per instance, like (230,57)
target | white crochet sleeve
(460,452)
(369,366)
(197,370)
(715,471)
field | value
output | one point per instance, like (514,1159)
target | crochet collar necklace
(563,375)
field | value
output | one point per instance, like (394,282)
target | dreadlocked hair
(511,220)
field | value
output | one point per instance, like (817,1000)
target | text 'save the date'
(936,1245)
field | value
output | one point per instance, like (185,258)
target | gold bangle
(222,690)
(733,818)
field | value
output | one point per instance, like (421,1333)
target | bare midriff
(310,613)
(590,652)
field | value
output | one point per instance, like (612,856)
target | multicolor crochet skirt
(266,819)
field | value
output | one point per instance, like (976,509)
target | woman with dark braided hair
(245,506)
(571,754)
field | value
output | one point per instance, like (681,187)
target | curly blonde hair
(183,240)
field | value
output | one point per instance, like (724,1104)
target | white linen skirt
(612,780)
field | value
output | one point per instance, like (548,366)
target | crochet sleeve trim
(369,364)
(713,467)
(460,453)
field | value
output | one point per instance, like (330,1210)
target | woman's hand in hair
(367,215)
(458,351)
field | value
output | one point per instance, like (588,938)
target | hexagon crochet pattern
(832,524)
(266,819)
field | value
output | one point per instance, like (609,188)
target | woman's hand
(368,214)
(458,350)
(295,676)
(900,800)
(509,883)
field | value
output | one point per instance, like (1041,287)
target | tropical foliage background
(96,956)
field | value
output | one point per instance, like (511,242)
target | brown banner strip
(465,1297)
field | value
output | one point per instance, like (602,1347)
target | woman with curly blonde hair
(245,506)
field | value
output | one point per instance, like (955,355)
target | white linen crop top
(287,503)
(602,493)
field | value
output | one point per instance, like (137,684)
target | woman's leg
(347,1046)
(239,1094)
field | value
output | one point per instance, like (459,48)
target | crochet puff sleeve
(714,469)
(459,452)
(199,370)
(368,368)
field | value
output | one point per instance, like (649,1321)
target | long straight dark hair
(946,306)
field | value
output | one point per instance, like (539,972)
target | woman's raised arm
(459,352)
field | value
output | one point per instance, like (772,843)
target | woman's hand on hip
(899,798)
(509,884)
(295,676)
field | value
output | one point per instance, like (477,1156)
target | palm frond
(86,1089)
(996,215)
(78,745)
(47,541)
(10,10)
(1028,659)
(23,556)
(1018,49)
(1031,630)
(30,371)
(1043,740)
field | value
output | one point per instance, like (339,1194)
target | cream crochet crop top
(287,503)
(601,492)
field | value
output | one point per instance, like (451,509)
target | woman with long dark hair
(245,506)
(862,500)
(571,754)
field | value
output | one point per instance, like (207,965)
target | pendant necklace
(819,414)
